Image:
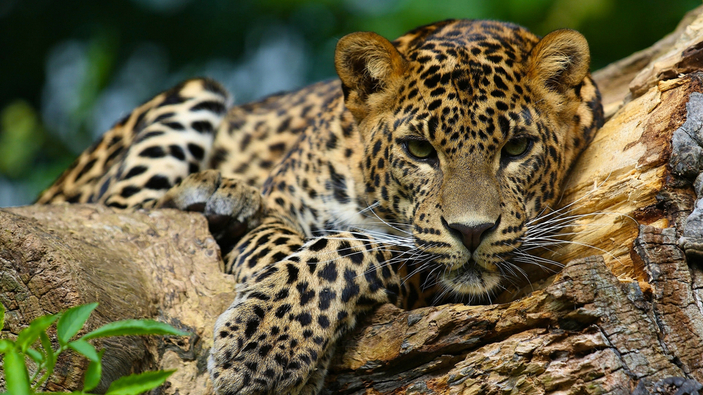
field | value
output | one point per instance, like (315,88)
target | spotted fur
(411,178)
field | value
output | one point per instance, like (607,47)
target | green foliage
(16,376)
(70,322)
(133,327)
(31,333)
(138,383)
(21,138)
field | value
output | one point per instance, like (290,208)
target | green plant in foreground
(17,380)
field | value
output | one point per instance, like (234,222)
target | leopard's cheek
(426,223)
(537,190)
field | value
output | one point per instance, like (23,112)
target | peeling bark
(585,333)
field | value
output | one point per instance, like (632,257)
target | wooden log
(624,314)
(163,265)
(565,337)
(623,179)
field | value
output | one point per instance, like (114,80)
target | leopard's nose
(471,235)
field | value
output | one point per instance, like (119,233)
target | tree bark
(625,313)
(162,264)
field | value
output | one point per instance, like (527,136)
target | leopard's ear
(366,63)
(560,60)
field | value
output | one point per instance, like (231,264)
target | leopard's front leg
(279,334)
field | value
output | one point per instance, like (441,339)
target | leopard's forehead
(465,40)
(467,80)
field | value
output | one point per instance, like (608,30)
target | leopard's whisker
(431,276)
(538,261)
(568,208)
(511,268)
(420,267)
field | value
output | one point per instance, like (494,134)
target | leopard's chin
(471,279)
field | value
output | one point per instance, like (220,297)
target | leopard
(414,178)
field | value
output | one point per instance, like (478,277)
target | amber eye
(420,149)
(516,146)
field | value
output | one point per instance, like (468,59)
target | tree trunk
(625,313)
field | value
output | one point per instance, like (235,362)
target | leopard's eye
(420,149)
(516,146)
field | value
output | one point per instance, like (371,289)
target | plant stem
(41,367)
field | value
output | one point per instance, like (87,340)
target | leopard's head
(470,129)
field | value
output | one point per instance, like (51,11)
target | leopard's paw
(264,344)
(230,206)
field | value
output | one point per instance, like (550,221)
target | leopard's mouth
(471,278)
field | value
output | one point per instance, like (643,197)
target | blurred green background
(71,68)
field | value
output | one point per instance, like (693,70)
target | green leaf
(62,393)
(46,345)
(50,356)
(2,316)
(35,355)
(72,321)
(137,383)
(84,348)
(134,327)
(6,345)
(29,335)
(16,376)
(92,375)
